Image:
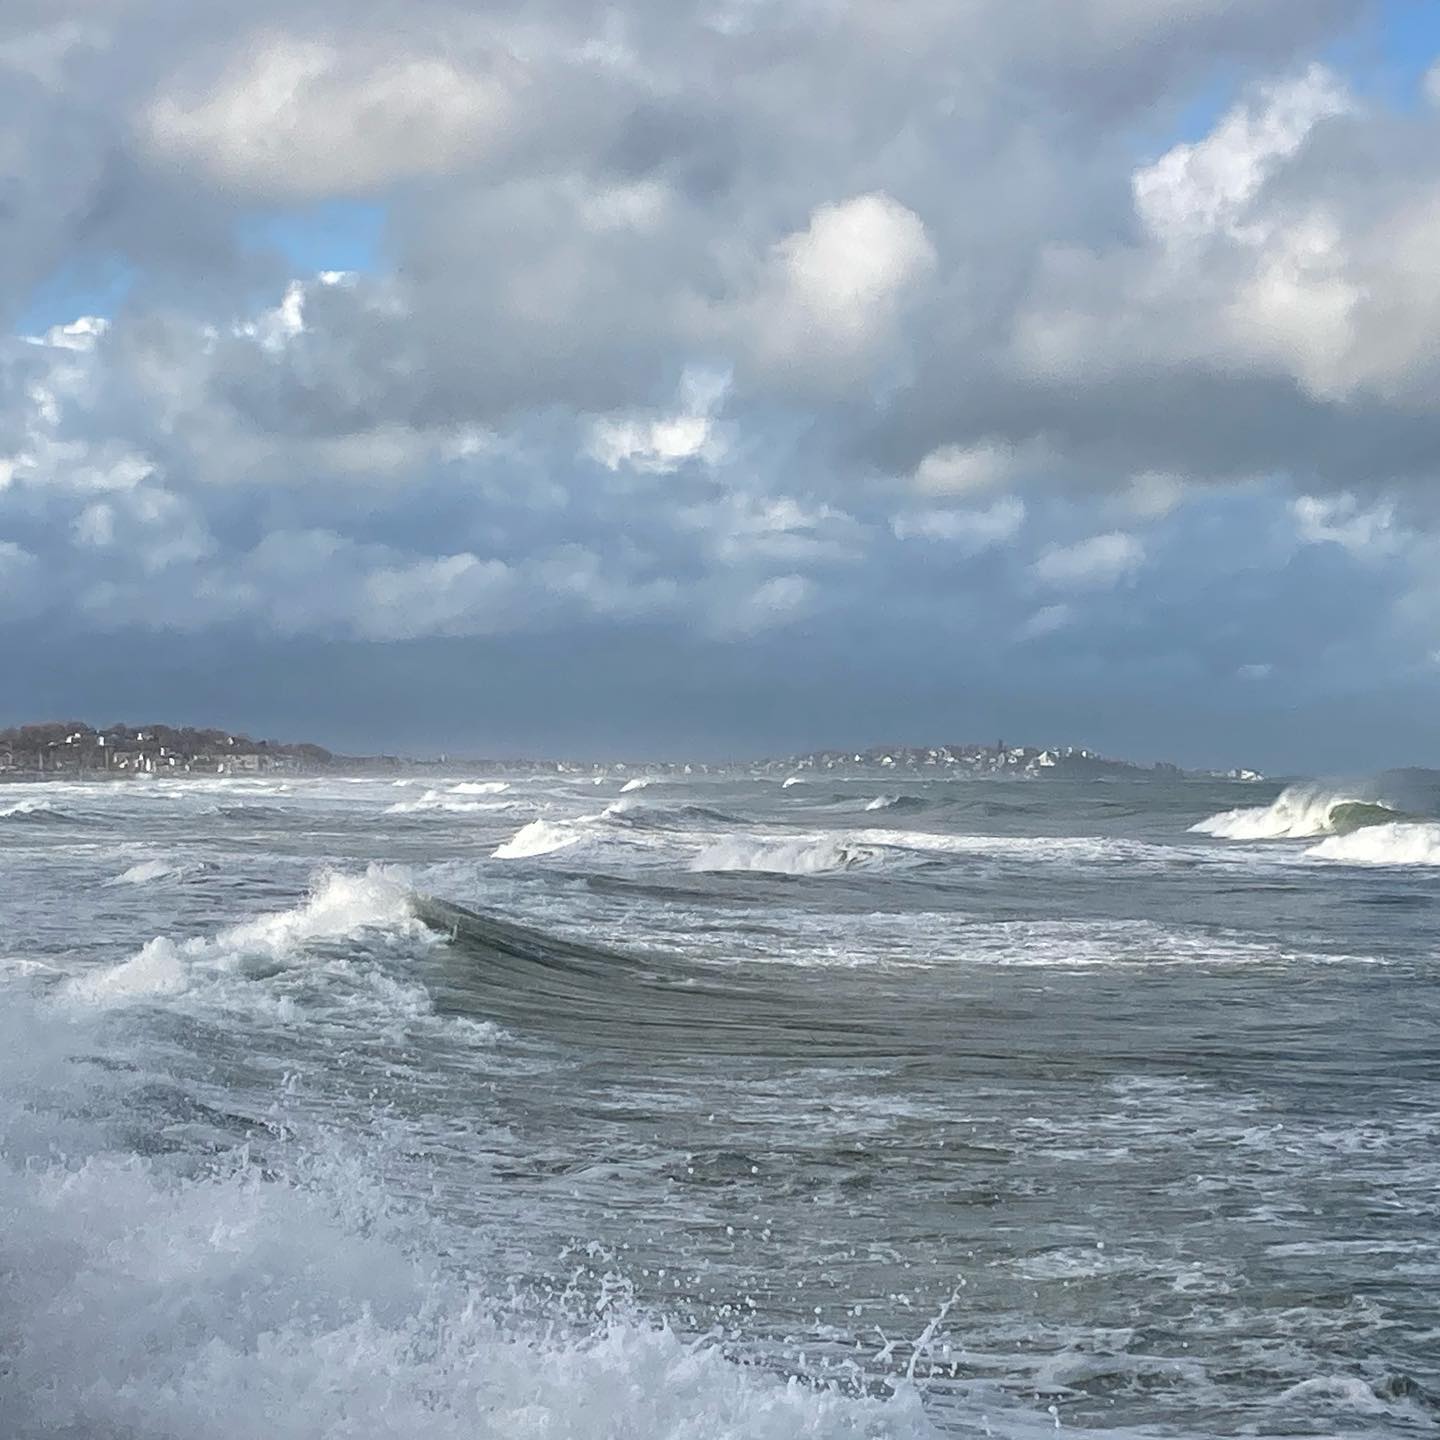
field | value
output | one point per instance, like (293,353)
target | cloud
(292,117)
(1341,520)
(834,290)
(969,531)
(1046,621)
(1207,188)
(1096,563)
(660,444)
(1285,244)
(960,469)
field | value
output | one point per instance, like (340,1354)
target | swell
(640,816)
(247,811)
(33,812)
(595,996)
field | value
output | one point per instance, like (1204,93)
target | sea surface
(547,1107)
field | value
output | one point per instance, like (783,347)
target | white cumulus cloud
(293,117)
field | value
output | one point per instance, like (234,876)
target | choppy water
(835,1109)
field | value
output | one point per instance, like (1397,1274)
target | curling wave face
(1316,808)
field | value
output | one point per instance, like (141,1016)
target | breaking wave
(446,801)
(30,810)
(148,871)
(1298,813)
(1400,843)
(540,837)
(339,908)
(897,802)
(788,857)
(626,817)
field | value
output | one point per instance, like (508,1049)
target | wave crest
(1299,812)
(539,837)
(30,810)
(787,857)
(446,802)
(150,870)
(341,906)
(897,802)
(1333,807)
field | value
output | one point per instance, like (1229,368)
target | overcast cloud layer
(726,377)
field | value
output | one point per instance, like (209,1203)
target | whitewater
(656,1106)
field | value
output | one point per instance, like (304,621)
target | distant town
(72,749)
(1027,762)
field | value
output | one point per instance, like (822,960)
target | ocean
(536,1106)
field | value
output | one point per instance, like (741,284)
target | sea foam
(222,1301)
(1401,843)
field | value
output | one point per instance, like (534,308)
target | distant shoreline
(75,751)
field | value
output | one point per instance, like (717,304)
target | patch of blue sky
(90,287)
(338,235)
(1384,58)
(1387,59)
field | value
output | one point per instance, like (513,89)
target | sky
(716,378)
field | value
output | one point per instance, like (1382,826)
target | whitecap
(786,857)
(1401,843)
(1299,812)
(340,906)
(539,837)
(443,802)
